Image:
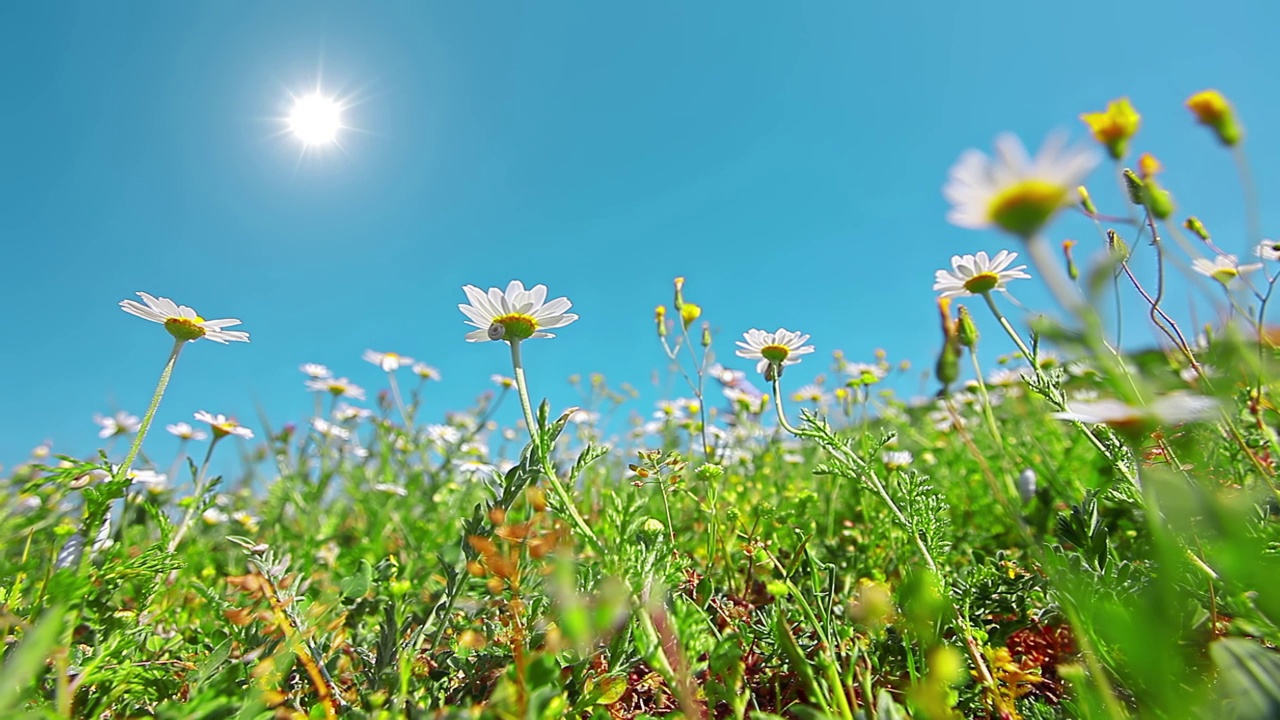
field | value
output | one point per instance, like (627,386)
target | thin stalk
(125,466)
(198,492)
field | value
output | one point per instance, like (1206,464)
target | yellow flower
(1113,127)
(1211,108)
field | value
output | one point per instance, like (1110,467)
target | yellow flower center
(1225,275)
(515,327)
(185,328)
(775,353)
(983,282)
(1023,207)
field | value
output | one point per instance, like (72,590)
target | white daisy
(391,489)
(774,350)
(1012,191)
(338,387)
(1223,268)
(426,372)
(315,370)
(514,315)
(185,431)
(1177,407)
(329,430)
(344,412)
(181,321)
(978,275)
(897,459)
(154,482)
(1268,250)
(861,373)
(389,362)
(122,423)
(810,393)
(223,425)
(443,434)
(503,381)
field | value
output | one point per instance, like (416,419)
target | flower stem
(544,451)
(125,466)
(189,515)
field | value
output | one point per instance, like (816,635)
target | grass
(992,552)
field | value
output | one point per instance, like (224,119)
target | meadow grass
(1084,534)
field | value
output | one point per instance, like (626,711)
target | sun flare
(315,119)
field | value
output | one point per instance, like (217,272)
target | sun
(315,119)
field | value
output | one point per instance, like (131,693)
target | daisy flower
(503,381)
(426,372)
(1012,191)
(181,321)
(389,362)
(315,370)
(1174,408)
(223,425)
(122,423)
(897,459)
(774,350)
(861,373)
(1268,250)
(185,431)
(344,412)
(1223,268)
(514,315)
(978,274)
(810,393)
(338,387)
(329,430)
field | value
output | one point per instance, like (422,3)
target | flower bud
(1115,126)
(947,369)
(1213,110)
(1116,245)
(1196,227)
(1086,202)
(679,296)
(1133,185)
(1072,270)
(688,313)
(706,334)
(660,317)
(966,330)
(1158,200)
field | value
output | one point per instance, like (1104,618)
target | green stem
(125,466)
(395,393)
(544,452)
(189,515)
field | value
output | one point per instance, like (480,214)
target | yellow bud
(1148,166)
(688,313)
(1113,127)
(679,297)
(660,317)
(1072,270)
(1086,202)
(1212,109)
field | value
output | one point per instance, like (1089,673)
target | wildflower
(502,381)
(1223,268)
(583,417)
(1011,191)
(315,371)
(810,393)
(329,430)
(897,459)
(515,315)
(473,468)
(344,412)
(1268,250)
(426,372)
(978,274)
(154,482)
(214,516)
(181,321)
(389,362)
(688,313)
(185,431)
(1213,110)
(443,434)
(1115,126)
(122,423)
(391,489)
(248,521)
(863,373)
(223,426)
(338,387)
(1177,407)
(775,350)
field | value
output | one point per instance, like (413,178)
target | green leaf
(27,660)
(356,586)
(1248,679)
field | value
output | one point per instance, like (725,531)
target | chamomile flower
(426,372)
(1174,408)
(223,425)
(897,459)
(514,315)
(181,321)
(1012,191)
(774,350)
(1268,250)
(389,361)
(502,381)
(1223,268)
(810,393)
(315,371)
(338,387)
(330,430)
(978,274)
(185,431)
(121,423)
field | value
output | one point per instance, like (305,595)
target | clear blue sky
(786,157)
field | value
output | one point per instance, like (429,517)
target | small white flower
(329,430)
(897,459)
(810,393)
(391,489)
(223,425)
(514,315)
(426,372)
(153,481)
(1012,191)
(584,417)
(443,434)
(389,362)
(861,373)
(502,381)
(1177,407)
(1268,250)
(250,522)
(344,412)
(338,387)
(122,423)
(774,350)
(185,431)
(472,468)
(181,321)
(1223,268)
(315,370)
(978,275)
(214,516)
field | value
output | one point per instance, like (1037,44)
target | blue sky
(787,158)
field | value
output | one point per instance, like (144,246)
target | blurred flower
(185,431)
(1223,268)
(443,434)
(1177,407)
(978,275)
(774,350)
(153,481)
(181,321)
(389,362)
(1115,126)
(1012,191)
(1268,250)
(426,372)
(391,489)
(329,430)
(315,370)
(897,459)
(223,425)
(584,417)
(344,412)
(472,468)
(502,381)
(514,315)
(1211,108)
(338,387)
(122,423)
(861,373)
(810,393)
(214,516)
